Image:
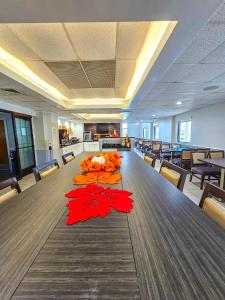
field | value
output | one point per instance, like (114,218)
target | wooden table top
(220,162)
(167,248)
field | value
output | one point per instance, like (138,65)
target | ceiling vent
(211,88)
(10,91)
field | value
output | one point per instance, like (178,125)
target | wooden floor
(167,248)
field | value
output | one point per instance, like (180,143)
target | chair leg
(202,182)
(191,177)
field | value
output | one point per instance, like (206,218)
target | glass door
(25,145)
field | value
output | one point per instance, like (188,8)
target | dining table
(219,162)
(165,248)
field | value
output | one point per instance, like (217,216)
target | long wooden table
(167,248)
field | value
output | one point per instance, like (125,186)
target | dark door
(4,157)
(25,145)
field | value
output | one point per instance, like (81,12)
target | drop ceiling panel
(204,72)
(130,39)
(209,38)
(124,71)
(101,74)
(217,56)
(184,88)
(70,73)
(49,41)
(11,43)
(176,72)
(93,41)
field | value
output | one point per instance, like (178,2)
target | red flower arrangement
(112,162)
(95,201)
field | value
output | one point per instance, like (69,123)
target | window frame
(178,131)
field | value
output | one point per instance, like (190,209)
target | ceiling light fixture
(153,115)
(179,102)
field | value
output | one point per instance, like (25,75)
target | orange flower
(98,177)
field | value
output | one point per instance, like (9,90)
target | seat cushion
(170,175)
(206,170)
(215,210)
(176,161)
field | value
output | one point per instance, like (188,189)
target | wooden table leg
(222,178)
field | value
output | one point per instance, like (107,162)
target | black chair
(165,155)
(173,174)
(213,203)
(15,189)
(45,169)
(68,157)
(201,170)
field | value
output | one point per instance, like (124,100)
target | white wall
(16,108)
(208,126)
(136,130)
(165,129)
(78,128)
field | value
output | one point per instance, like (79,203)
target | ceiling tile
(176,72)
(101,74)
(184,88)
(49,41)
(217,56)
(70,73)
(104,93)
(204,72)
(124,72)
(11,43)
(130,39)
(82,93)
(93,41)
(209,38)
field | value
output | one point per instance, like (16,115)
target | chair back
(205,150)
(186,154)
(155,147)
(165,146)
(213,203)
(174,174)
(150,159)
(216,154)
(68,157)
(15,189)
(195,158)
(45,169)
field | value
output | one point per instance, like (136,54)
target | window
(155,131)
(144,133)
(184,131)
(124,129)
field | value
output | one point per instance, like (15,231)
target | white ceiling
(200,65)
(188,63)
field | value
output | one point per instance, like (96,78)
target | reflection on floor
(191,189)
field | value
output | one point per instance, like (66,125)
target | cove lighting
(101,116)
(21,69)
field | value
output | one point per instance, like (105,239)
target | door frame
(23,172)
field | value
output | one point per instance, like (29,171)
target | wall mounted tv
(102,128)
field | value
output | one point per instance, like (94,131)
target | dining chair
(156,148)
(216,154)
(213,203)
(45,169)
(173,174)
(174,145)
(68,157)
(15,189)
(184,161)
(150,159)
(205,150)
(201,170)
(165,155)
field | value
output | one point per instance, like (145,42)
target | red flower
(95,201)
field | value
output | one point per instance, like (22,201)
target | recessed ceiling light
(153,115)
(211,88)
(179,102)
